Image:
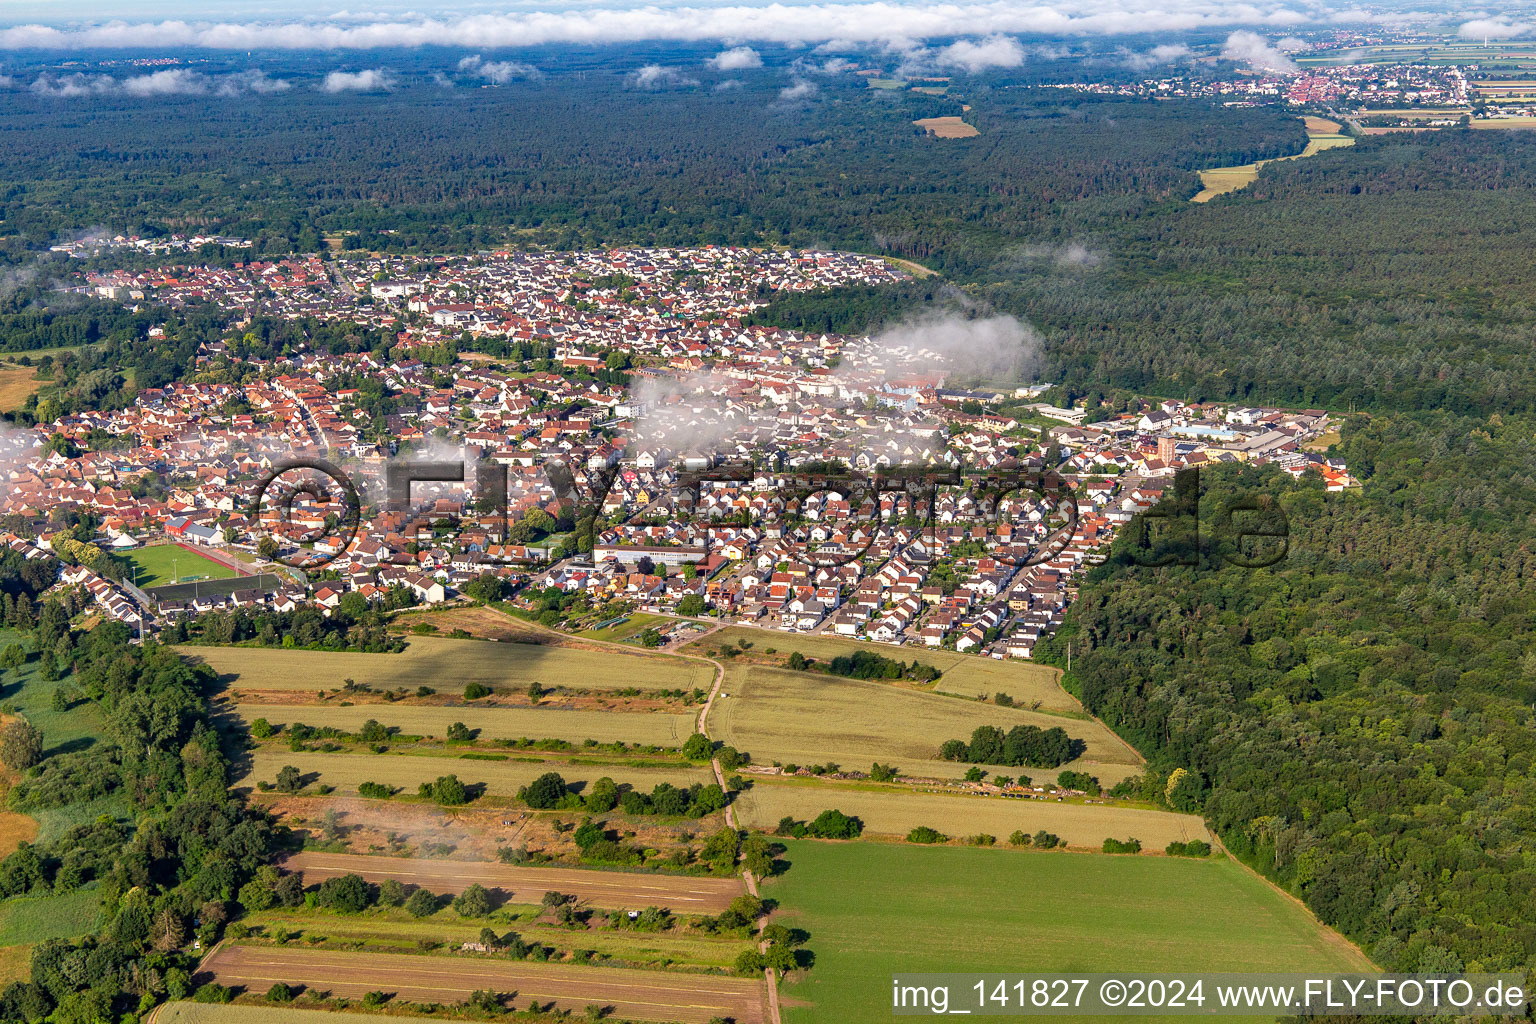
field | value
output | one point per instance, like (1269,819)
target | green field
(893,811)
(170,563)
(502,778)
(810,718)
(659,727)
(28,921)
(873,910)
(966,674)
(397,931)
(449,665)
(635,625)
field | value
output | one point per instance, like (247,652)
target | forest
(1355,721)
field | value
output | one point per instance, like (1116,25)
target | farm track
(632,994)
(621,890)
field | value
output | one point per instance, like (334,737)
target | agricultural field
(661,728)
(946,127)
(632,626)
(892,811)
(619,890)
(1322,134)
(810,718)
(875,908)
(16,383)
(346,772)
(398,932)
(26,922)
(631,994)
(449,665)
(966,674)
(162,564)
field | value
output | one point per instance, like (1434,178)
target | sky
(828,24)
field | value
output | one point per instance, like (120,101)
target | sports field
(501,778)
(875,909)
(810,718)
(895,812)
(171,563)
(448,665)
(661,728)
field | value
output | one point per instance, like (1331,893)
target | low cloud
(175,82)
(371,80)
(1493,28)
(1254,50)
(994,346)
(655,77)
(729,85)
(1158,55)
(498,72)
(800,89)
(736,59)
(253,81)
(69,86)
(974,56)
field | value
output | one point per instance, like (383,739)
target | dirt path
(620,890)
(631,994)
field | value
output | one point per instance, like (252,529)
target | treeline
(172,877)
(353,625)
(1355,721)
(1026,746)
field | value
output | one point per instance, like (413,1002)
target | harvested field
(807,718)
(16,383)
(1321,134)
(639,995)
(1321,125)
(501,778)
(965,674)
(619,890)
(946,127)
(895,813)
(662,728)
(449,665)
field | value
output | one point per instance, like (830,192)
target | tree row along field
(449,665)
(879,908)
(968,675)
(660,728)
(810,718)
(895,812)
(406,771)
(399,933)
(612,889)
(632,994)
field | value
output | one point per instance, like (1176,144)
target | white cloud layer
(842,24)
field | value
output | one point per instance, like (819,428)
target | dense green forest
(1356,721)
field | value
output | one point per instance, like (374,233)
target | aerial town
(505,360)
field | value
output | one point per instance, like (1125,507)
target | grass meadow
(874,910)
(449,665)
(966,674)
(810,718)
(667,729)
(501,778)
(895,811)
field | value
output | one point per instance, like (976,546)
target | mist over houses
(507,364)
